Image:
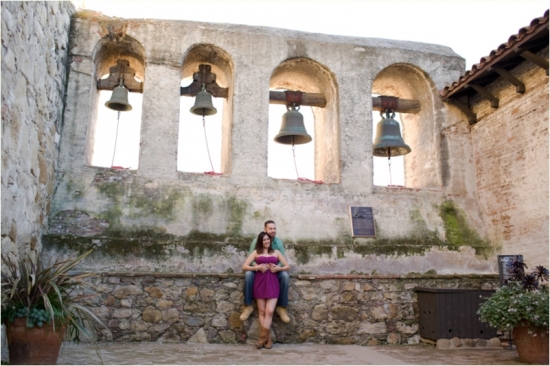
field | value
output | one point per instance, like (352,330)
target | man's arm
(278,244)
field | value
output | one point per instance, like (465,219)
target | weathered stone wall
(510,148)
(34,55)
(156,218)
(353,309)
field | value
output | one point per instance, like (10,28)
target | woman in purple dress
(266,283)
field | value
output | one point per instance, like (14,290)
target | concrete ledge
(294,276)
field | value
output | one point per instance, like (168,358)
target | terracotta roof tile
(535,25)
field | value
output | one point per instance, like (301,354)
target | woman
(266,283)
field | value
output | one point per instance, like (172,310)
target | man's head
(270,228)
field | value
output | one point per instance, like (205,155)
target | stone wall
(34,55)
(352,309)
(510,148)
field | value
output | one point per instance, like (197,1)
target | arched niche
(423,164)
(222,65)
(309,76)
(106,54)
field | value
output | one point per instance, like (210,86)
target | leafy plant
(42,293)
(524,299)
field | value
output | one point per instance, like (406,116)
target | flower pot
(34,346)
(532,347)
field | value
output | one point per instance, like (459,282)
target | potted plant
(40,308)
(522,306)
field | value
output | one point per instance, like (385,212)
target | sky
(472,28)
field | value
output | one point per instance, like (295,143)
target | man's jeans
(284,280)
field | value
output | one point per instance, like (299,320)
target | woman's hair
(259,243)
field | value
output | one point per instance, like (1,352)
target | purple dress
(266,285)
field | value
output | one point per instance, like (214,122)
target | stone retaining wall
(335,309)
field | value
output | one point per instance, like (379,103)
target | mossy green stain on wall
(202,207)
(458,233)
(138,201)
(237,210)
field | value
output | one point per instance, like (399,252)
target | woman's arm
(251,258)
(282,259)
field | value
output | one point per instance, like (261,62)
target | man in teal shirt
(284,279)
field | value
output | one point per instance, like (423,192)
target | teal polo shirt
(277,245)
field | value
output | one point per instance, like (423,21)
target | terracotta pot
(33,346)
(531,348)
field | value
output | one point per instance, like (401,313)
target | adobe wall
(511,159)
(158,219)
(35,38)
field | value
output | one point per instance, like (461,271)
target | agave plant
(43,293)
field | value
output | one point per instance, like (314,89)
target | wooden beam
(481,90)
(520,87)
(472,118)
(403,105)
(539,61)
(311,99)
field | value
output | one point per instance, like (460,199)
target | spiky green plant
(43,293)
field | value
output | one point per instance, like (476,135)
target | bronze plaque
(362,222)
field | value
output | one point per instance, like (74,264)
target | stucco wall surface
(193,222)
(511,153)
(34,54)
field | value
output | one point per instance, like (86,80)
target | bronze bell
(203,104)
(388,141)
(293,131)
(119,100)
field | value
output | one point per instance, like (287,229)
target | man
(282,303)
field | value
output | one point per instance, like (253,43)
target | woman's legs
(261,310)
(269,308)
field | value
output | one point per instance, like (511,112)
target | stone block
(193,321)
(373,342)
(164,303)
(169,337)
(305,334)
(110,300)
(348,286)
(234,320)
(415,339)
(121,292)
(191,291)
(348,296)
(139,326)
(320,312)
(394,338)
(443,343)
(207,294)
(406,329)
(228,336)
(155,292)
(481,342)
(127,303)
(171,316)
(122,313)
(335,328)
(345,313)
(468,342)
(372,328)
(151,315)
(494,342)
(456,342)
(225,307)
(219,321)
